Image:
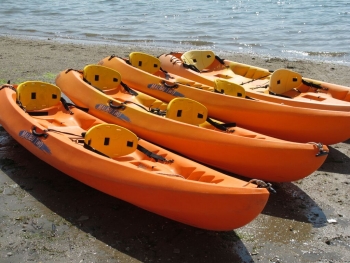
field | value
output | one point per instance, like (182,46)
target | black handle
(117,107)
(34,132)
(170,86)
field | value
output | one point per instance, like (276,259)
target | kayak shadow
(347,141)
(80,215)
(290,202)
(337,161)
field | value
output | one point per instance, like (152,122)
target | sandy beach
(46,216)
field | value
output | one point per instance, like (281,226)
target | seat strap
(66,105)
(313,85)
(221,60)
(154,156)
(128,89)
(192,67)
(86,146)
(222,126)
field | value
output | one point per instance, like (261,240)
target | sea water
(308,29)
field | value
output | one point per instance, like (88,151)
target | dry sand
(46,216)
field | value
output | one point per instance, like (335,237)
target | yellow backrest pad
(144,62)
(201,59)
(229,88)
(187,111)
(111,140)
(102,77)
(37,95)
(283,80)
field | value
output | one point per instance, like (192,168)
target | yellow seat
(187,111)
(102,77)
(283,80)
(229,88)
(37,95)
(144,62)
(201,59)
(111,140)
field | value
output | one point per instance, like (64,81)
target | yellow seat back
(102,77)
(283,80)
(229,88)
(37,95)
(144,62)
(187,111)
(111,140)
(201,59)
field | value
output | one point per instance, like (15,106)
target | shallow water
(311,29)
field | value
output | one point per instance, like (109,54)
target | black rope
(21,105)
(88,82)
(111,57)
(221,60)
(166,74)
(70,69)
(192,67)
(86,146)
(222,126)
(218,91)
(128,89)
(156,111)
(66,105)
(68,133)
(313,85)
(152,155)
(260,87)
(243,83)
(8,86)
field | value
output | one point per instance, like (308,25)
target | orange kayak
(281,86)
(113,160)
(236,150)
(273,119)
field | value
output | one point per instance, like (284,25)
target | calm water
(308,29)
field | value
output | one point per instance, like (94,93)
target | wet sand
(48,217)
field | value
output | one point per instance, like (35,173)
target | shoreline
(48,217)
(313,57)
(91,53)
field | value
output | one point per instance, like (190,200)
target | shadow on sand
(290,202)
(337,161)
